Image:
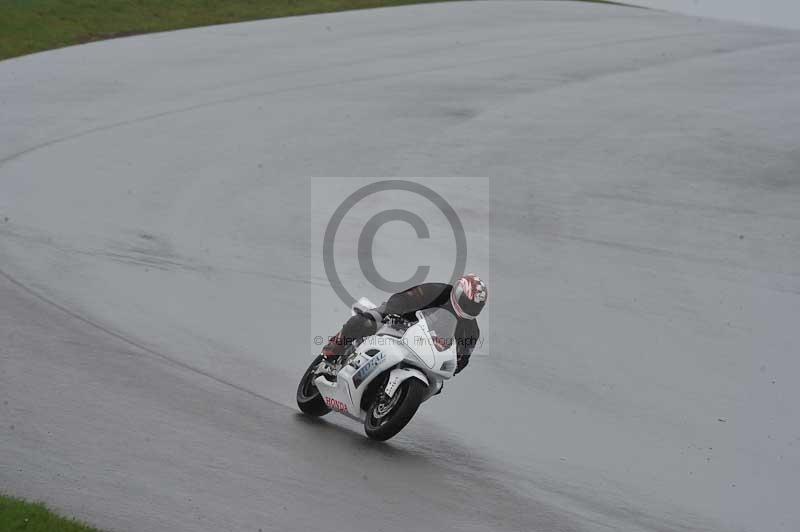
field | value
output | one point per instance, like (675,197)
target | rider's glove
(461,362)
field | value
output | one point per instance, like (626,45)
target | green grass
(17,515)
(28,26)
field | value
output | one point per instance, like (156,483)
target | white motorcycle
(382,380)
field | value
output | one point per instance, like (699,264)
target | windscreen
(441,325)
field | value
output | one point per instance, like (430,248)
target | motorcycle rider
(465,299)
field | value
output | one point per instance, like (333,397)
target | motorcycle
(382,380)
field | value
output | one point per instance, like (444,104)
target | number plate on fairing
(368,367)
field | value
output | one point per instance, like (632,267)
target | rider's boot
(330,356)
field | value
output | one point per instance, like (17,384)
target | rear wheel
(388,415)
(308,397)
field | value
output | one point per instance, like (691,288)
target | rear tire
(308,397)
(411,392)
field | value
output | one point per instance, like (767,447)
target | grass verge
(28,26)
(17,515)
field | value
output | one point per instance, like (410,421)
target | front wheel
(309,399)
(388,415)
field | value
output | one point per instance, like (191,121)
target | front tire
(309,399)
(387,416)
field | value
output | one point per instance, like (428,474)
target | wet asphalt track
(157,279)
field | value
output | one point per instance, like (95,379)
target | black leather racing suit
(405,304)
